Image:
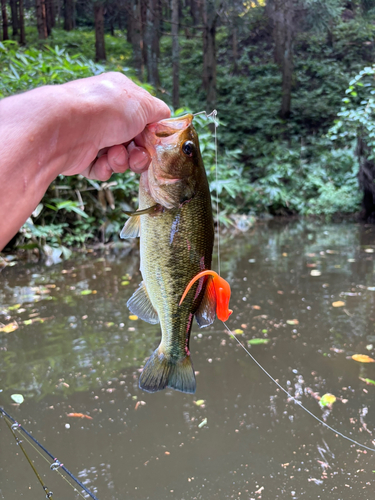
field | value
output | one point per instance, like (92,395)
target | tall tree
(175,55)
(99,31)
(41,19)
(14,17)
(5,20)
(151,41)
(210,17)
(282,14)
(135,37)
(22,22)
(50,15)
(69,15)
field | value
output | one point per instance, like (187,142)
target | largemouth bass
(176,229)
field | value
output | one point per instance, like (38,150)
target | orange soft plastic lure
(222,292)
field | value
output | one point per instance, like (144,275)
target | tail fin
(161,372)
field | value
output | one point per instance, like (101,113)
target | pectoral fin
(131,228)
(145,211)
(140,304)
(206,312)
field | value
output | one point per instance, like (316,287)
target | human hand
(110,110)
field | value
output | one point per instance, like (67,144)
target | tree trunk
(235,48)
(282,14)
(14,17)
(143,21)
(136,37)
(99,31)
(41,19)
(175,56)
(50,15)
(209,52)
(22,23)
(69,15)
(5,20)
(151,41)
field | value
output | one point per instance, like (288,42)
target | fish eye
(188,148)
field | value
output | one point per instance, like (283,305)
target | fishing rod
(56,465)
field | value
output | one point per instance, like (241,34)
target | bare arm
(60,129)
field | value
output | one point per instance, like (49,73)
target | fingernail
(120,158)
(139,160)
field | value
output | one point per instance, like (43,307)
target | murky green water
(77,352)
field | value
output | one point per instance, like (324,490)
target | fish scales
(175,247)
(176,232)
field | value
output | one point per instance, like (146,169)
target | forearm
(33,130)
(60,130)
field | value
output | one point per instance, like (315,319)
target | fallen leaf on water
(124,283)
(17,398)
(238,331)
(256,307)
(10,327)
(138,404)
(200,402)
(86,292)
(327,399)
(363,358)
(258,341)
(338,303)
(78,415)
(203,423)
(133,317)
(368,381)
(315,272)
(15,307)
(292,321)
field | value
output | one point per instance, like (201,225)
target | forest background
(292,80)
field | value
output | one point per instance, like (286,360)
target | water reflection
(76,350)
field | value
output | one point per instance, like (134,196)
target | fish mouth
(170,126)
(160,133)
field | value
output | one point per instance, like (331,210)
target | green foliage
(265,164)
(358,111)
(24,69)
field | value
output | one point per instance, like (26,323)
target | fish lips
(163,133)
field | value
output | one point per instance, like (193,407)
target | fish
(175,224)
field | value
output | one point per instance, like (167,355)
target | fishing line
(19,443)
(56,464)
(293,398)
(213,115)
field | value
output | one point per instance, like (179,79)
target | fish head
(176,166)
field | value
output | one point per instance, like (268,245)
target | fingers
(139,159)
(158,111)
(117,159)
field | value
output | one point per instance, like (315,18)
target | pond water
(77,351)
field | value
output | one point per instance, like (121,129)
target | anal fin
(206,312)
(140,305)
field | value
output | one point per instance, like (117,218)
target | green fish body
(176,242)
